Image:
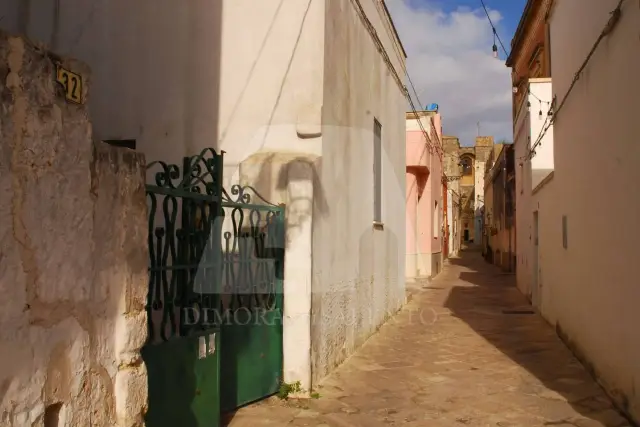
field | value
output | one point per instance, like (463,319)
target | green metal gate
(252,297)
(214,301)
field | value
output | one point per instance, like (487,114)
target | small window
(126,143)
(377,171)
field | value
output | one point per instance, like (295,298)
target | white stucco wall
(539,97)
(358,271)
(530,180)
(590,288)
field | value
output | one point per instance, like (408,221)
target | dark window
(126,143)
(377,171)
(467,166)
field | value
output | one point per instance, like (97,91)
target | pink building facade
(424,204)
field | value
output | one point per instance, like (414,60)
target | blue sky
(450,61)
(509,9)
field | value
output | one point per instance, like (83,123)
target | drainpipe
(504,202)
(505,210)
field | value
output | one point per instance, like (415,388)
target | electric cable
(609,26)
(493,27)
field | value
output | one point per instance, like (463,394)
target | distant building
(464,167)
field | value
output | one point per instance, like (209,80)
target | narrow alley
(466,350)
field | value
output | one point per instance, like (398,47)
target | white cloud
(450,63)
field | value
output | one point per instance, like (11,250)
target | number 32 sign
(72,84)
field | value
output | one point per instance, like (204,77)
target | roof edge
(393,26)
(518,36)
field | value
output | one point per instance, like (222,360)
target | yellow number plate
(72,84)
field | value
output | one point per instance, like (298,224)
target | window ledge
(548,176)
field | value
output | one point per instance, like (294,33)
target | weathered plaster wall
(590,287)
(242,76)
(133,56)
(358,268)
(232,89)
(73,257)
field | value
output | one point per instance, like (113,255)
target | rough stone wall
(451,147)
(73,257)
(483,147)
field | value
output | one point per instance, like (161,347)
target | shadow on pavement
(494,308)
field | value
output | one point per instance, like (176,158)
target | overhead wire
(429,142)
(613,20)
(381,49)
(493,27)
(387,60)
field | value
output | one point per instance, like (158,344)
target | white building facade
(532,173)
(306,97)
(577,242)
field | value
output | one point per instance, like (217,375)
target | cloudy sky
(448,43)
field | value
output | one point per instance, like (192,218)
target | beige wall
(358,273)
(179,77)
(590,288)
(73,263)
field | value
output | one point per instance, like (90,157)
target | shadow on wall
(288,178)
(252,70)
(237,106)
(497,311)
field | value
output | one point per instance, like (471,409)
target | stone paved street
(453,357)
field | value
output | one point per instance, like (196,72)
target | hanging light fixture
(540,112)
(495,47)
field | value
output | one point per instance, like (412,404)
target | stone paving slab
(452,357)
